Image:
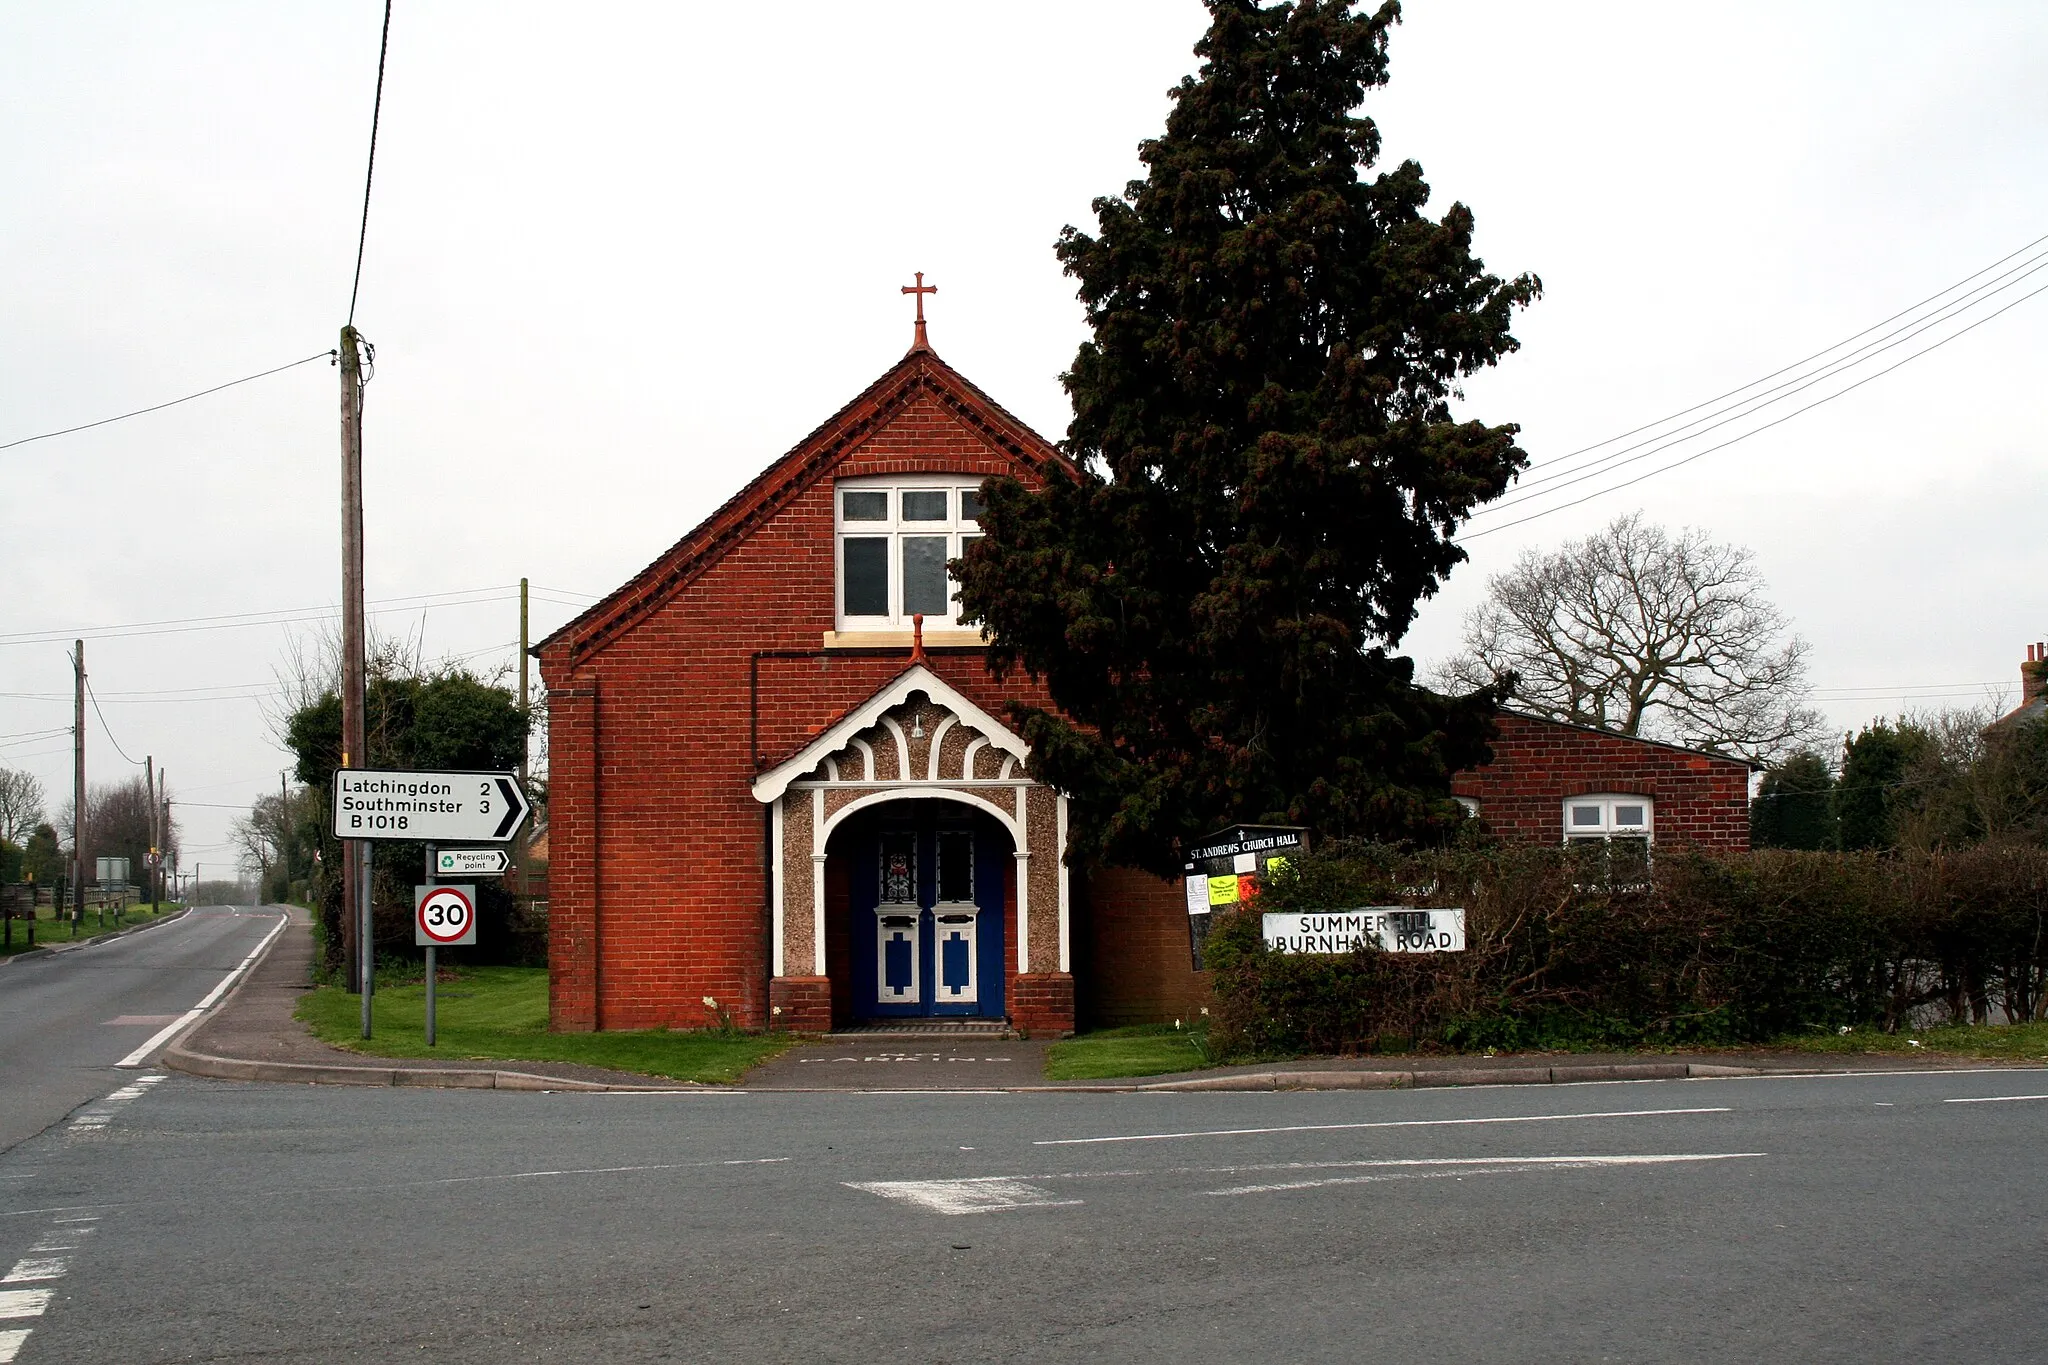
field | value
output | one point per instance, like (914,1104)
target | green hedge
(1708,949)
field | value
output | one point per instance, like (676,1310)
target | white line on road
(169,1031)
(538,1175)
(977,1194)
(1385,1123)
(24,1303)
(54,1241)
(29,1269)
(1995,1099)
(10,1344)
(95,1117)
(1478,1165)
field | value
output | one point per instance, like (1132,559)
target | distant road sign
(442,915)
(471,862)
(428,807)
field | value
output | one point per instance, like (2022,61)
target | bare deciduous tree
(21,805)
(1635,631)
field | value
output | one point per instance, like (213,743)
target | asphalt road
(1851,1218)
(66,1018)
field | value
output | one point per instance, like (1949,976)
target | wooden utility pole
(163,834)
(78,782)
(522,680)
(284,830)
(149,863)
(354,889)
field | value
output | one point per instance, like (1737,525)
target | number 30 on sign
(443,915)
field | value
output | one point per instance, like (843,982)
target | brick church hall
(867,847)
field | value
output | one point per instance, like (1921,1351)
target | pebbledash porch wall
(659,895)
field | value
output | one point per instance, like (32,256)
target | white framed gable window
(894,537)
(1612,834)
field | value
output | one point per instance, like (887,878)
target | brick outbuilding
(768,803)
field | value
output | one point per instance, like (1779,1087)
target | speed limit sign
(443,915)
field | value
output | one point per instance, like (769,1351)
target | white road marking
(95,1117)
(138,1020)
(29,1268)
(981,1194)
(24,1303)
(1385,1123)
(999,1193)
(10,1344)
(1995,1099)
(1479,1165)
(537,1175)
(170,1030)
(53,1241)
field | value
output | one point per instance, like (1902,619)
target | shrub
(1709,949)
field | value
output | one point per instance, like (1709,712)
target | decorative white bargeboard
(1390,928)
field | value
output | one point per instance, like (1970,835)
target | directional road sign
(471,862)
(428,807)
(442,915)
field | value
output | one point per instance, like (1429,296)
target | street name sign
(1389,928)
(471,862)
(443,915)
(428,807)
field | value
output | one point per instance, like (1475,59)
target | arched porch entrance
(914,863)
(918,897)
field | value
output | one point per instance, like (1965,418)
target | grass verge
(500,1014)
(53,932)
(1996,1042)
(1139,1050)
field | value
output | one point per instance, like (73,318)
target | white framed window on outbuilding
(894,537)
(1612,832)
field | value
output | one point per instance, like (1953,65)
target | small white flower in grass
(710,1003)
(1843,1030)
(1205,1011)
(1912,1042)
(1176,1024)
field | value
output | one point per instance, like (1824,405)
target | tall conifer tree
(1270,473)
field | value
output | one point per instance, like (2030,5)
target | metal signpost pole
(432,877)
(366,943)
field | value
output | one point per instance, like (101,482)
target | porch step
(927,1028)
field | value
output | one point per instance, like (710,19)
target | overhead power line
(1570,455)
(461,597)
(1744,407)
(1733,440)
(370,175)
(159,407)
(107,729)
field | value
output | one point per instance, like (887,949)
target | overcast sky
(621,256)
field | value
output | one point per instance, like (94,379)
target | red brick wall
(659,885)
(1137,968)
(1537,765)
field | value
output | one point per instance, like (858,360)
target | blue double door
(926,913)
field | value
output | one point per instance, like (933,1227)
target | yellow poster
(1223,890)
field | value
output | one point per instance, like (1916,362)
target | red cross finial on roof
(920,289)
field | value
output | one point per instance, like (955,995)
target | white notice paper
(1198,894)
